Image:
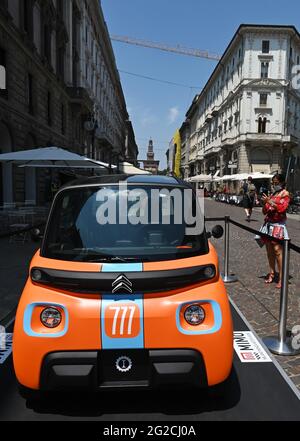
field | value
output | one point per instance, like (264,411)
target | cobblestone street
(257,301)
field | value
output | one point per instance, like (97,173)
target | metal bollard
(227,278)
(282,345)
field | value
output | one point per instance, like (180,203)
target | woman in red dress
(275,207)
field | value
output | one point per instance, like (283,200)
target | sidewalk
(14,264)
(257,301)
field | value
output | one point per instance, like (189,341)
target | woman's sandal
(278,286)
(269,278)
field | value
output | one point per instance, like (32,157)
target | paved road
(253,392)
(257,301)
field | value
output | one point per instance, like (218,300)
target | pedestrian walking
(275,207)
(249,196)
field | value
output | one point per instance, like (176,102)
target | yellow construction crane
(178,49)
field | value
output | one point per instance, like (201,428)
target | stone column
(278,157)
(221,163)
(243,161)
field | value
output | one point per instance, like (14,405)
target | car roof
(129,179)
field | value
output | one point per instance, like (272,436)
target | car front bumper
(113,369)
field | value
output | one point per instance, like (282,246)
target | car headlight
(36,275)
(194,315)
(51,317)
(210,272)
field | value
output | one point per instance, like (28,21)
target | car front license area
(128,368)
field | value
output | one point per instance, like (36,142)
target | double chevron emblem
(122,283)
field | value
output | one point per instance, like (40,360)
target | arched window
(262,125)
(261,156)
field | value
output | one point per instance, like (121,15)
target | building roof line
(242,27)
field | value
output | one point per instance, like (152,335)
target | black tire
(29,394)
(219,391)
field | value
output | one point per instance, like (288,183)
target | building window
(60,8)
(49,107)
(3,4)
(265,46)
(61,62)
(3,92)
(63,119)
(30,107)
(47,43)
(264,69)
(263,99)
(262,125)
(27,17)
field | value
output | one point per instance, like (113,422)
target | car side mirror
(36,235)
(217,231)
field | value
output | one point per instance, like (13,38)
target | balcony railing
(79,95)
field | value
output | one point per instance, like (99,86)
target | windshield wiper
(101,257)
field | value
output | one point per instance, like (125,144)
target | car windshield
(115,224)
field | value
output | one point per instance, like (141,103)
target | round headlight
(194,315)
(51,317)
(36,275)
(209,272)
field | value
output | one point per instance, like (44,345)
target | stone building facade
(63,88)
(247,115)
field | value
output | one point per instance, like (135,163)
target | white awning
(130,169)
(244,176)
(201,178)
(51,157)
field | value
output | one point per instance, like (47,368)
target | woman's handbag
(277,231)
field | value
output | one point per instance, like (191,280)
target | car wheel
(29,394)
(219,391)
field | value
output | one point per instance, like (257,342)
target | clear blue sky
(157,109)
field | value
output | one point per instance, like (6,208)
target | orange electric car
(124,291)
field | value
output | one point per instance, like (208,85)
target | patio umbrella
(202,178)
(51,157)
(129,169)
